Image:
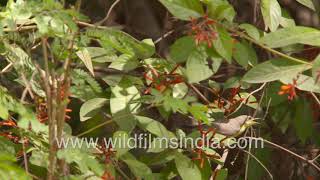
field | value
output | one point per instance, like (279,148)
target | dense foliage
(65,77)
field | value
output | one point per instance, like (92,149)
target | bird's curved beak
(250,123)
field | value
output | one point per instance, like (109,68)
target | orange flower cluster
(201,154)
(288,89)
(202,31)
(42,114)
(161,81)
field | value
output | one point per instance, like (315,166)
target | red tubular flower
(288,89)
(202,31)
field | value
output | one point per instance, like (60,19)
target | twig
(96,127)
(310,162)
(245,100)
(28,87)
(6,69)
(222,159)
(198,93)
(314,159)
(315,97)
(109,12)
(262,165)
(163,36)
(25,159)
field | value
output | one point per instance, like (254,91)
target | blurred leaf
(125,62)
(220,9)
(292,35)
(255,171)
(182,48)
(223,44)
(245,54)
(184,9)
(199,112)
(91,107)
(84,55)
(271,12)
(274,69)
(84,161)
(125,120)
(271,94)
(186,168)
(222,174)
(84,86)
(101,55)
(197,68)
(154,127)
(121,141)
(124,96)
(307,3)
(8,167)
(122,42)
(303,119)
(139,169)
(316,70)
(251,30)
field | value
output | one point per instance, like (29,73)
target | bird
(233,127)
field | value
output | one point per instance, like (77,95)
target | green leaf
(184,9)
(199,112)
(125,120)
(4,112)
(186,168)
(179,90)
(125,62)
(220,9)
(124,96)
(101,55)
(222,174)
(121,141)
(303,119)
(274,69)
(122,42)
(91,108)
(84,161)
(182,48)
(307,3)
(245,54)
(197,68)
(316,70)
(84,86)
(8,166)
(138,168)
(271,12)
(223,44)
(251,30)
(84,55)
(292,35)
(154,127)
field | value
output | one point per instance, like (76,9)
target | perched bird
(235,126)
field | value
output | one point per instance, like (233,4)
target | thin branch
(315,97)
(198,93)
(249,95)
(97,127)
(310,162)
(7,68)
(163,36)
(262,165)
(109,12)
(25,159)
(220,166)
